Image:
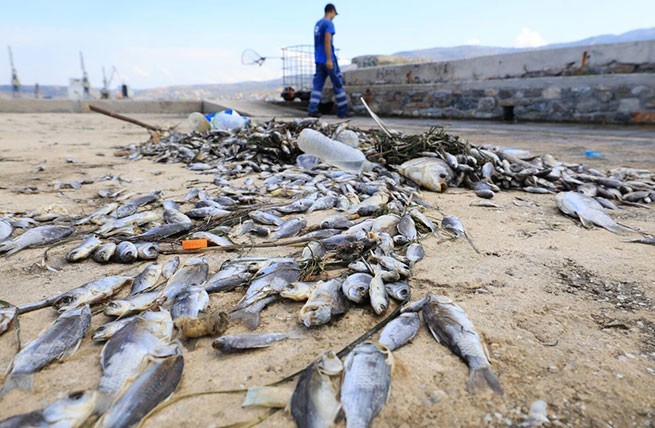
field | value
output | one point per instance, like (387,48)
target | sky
(173,42)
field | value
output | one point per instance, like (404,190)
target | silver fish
(190,302)
(366,383)
(59,341)
(325,302)
(194,271)
(400,331)
(147,250)
(407,227)
(42,235)
(128,351)
(228,278)
(105,252)
(147,280)
(132,304)
(131,206)
(6,229)
(170,267)
(398,290)
(250,315)
(126,252)
(264,217)
(299,206)
(70,411)
(451,327)
(153,386)
(588,210)
(453,225)
(121,224)
(289,228)
(323,203)
(172,214)
(243,342)
(356,286)
(431,173)
(220,241)
(315,401)
(164,231)
(208,213)
(91,292)
(108,329)
(84,250)
(378,294)
(313,250)
(422,219)
(415,253)
(8,315)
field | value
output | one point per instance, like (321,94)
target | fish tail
(250,319)
(482,377)
(23,382)
(9,248)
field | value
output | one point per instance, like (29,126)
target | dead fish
(147,250)
(130,349)
(451,327)
(214,239)
(194,271)
(323,203)
(41,235)
(431,173)
(378,294)
(172,214)
(164,231)
(91,292)
(315,401)
(366,383)
(189,303)
(147,279)
(71,411)
(250,315)
(126,252)
(8,315)
(298,291)
(398,290)
(355,287)
(170,267)
(266,218)
(153,386)
(242,342)
(422,219)
(313,250)
(132,304)
(131,206)
(299,206)
(108,329)
(337,221)
(6,229)
(400,330)
(105,252)
(407,227)
(228,278)
(415,253)
(325,302)
(59,341)
(208,213)
(648,240)
(374,202)
(453,225)
(289,228)
(119,225)
(483,190)
(588,210)
(84,250)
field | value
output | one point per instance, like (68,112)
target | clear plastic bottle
(332,152)
(228,120)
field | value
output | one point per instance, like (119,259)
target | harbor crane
(15,83)
(85,79)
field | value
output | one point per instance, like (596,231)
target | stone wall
(608,84)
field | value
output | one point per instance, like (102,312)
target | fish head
(160,323)
(116,308)
(67,301)
(380,307)
(73,409)
(315,314)
(329,364)
(296,291)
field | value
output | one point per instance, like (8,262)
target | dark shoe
(346,115)
(314,114)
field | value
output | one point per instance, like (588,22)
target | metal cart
(297,72)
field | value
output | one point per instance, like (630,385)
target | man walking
(327,65)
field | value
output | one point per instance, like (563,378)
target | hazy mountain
(462,52)
(27,91)
(241,90)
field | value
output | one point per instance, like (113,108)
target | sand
(566,313)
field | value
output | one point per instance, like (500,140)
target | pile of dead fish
(361,254)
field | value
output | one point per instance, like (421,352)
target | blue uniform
(323,27)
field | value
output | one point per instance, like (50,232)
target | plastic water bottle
(333,152)
(228,120)
(348,137)
(198,122)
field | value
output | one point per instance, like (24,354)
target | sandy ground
(566,313)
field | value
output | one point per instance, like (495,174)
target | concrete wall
(617,85)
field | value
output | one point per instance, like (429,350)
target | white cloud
(140,71)
(528,38)
(473,42)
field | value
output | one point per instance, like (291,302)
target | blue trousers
(340,96)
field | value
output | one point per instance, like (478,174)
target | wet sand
(566,313)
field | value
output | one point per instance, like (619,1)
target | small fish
(422,219)
(415,253)
(298,291)
(356,286)
(315,401)
(244,342)
(407,227)
(587,210)
(164,231)
(323,203)
(299,206)
(126,252)
(170,267)
(378,294)
(266,218)
(313,250)
(451,327)
(59,341)
(400,330)
(105,252)
(147,280)
(648,240)
(132,304)
(208,213)
(120,225)
(289,228)
(431,173)
(84,250)
(194,271)
(220,241)
(131,206)
(147,250)
(398,290)
(325,302)
(250,315)
(71,411)
(366,383)
(172,214)
(190,302)
(91,292)
(6,229)
(454,226)
(152,386)
(107,330)
(41,235)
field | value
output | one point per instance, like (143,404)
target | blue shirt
(322,27)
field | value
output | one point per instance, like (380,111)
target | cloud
(528,38)
(473,42)
(140,71)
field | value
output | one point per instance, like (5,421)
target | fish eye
(442,175)
(402,293)
(76,395)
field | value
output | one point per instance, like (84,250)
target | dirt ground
(566,313)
